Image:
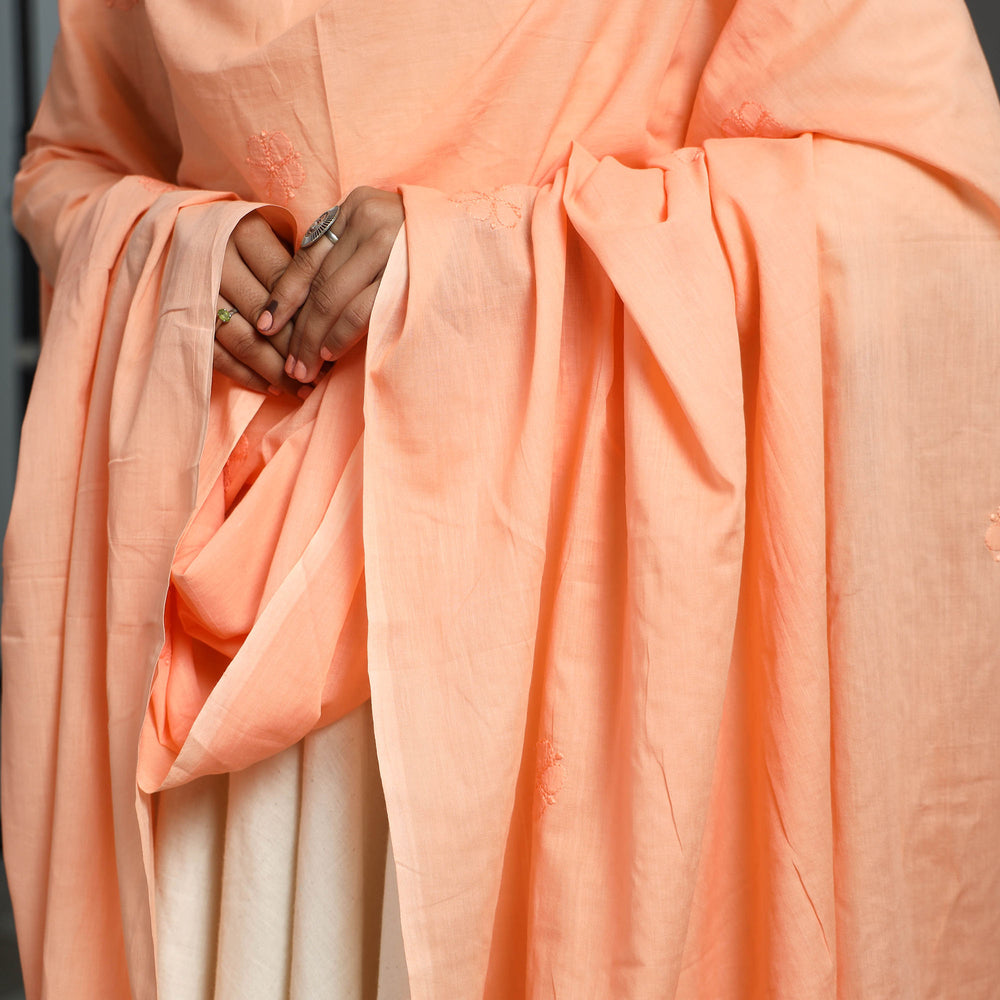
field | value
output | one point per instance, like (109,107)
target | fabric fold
(654,515)
(105,311)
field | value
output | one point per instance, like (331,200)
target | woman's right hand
(255,258)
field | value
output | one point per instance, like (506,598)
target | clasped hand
(298,312)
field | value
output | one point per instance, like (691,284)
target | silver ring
(332,236)
(321,227)
(225,314)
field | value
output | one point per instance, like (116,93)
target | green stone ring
(225,315)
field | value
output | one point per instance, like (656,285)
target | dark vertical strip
(26,63)
(11,983)
(986,15)
(28,291)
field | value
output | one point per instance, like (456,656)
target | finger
(351,325)
(279,341)
(292,287)
(241,342)
(331,299)
(224,363)
(333,261)
(240,285)
(266,257)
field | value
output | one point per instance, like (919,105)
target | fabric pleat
(637,577)
(270,882)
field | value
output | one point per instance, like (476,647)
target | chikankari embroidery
(153,185)
(993,535)
(233,473)
(751,119)
(548,774)
(273,155)
(490,207)
(689,154)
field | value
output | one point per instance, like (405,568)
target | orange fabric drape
(654,514)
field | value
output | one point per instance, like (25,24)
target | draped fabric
(658,515)
(270,882)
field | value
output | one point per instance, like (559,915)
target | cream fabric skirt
(278,881)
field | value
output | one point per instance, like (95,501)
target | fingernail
(274,390)
(265,321)
(289,365)
(325,354)
(303,393)
(300,371)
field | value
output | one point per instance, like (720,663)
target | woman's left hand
(333,285)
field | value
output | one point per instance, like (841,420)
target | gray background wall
(27,31)
(21,69)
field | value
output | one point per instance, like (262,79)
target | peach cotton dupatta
(658,515)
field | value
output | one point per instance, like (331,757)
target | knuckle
(243,344)
(249,225)
(274,275)
(292,280)
(301,265)
(367,213)
(323,297)
(354,316)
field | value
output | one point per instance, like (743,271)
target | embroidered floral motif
(120,4)
(689,154)
(233,475)
(272,154)
(751,119)
(993,535)
(491,208)
(548,774)
(152,184)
